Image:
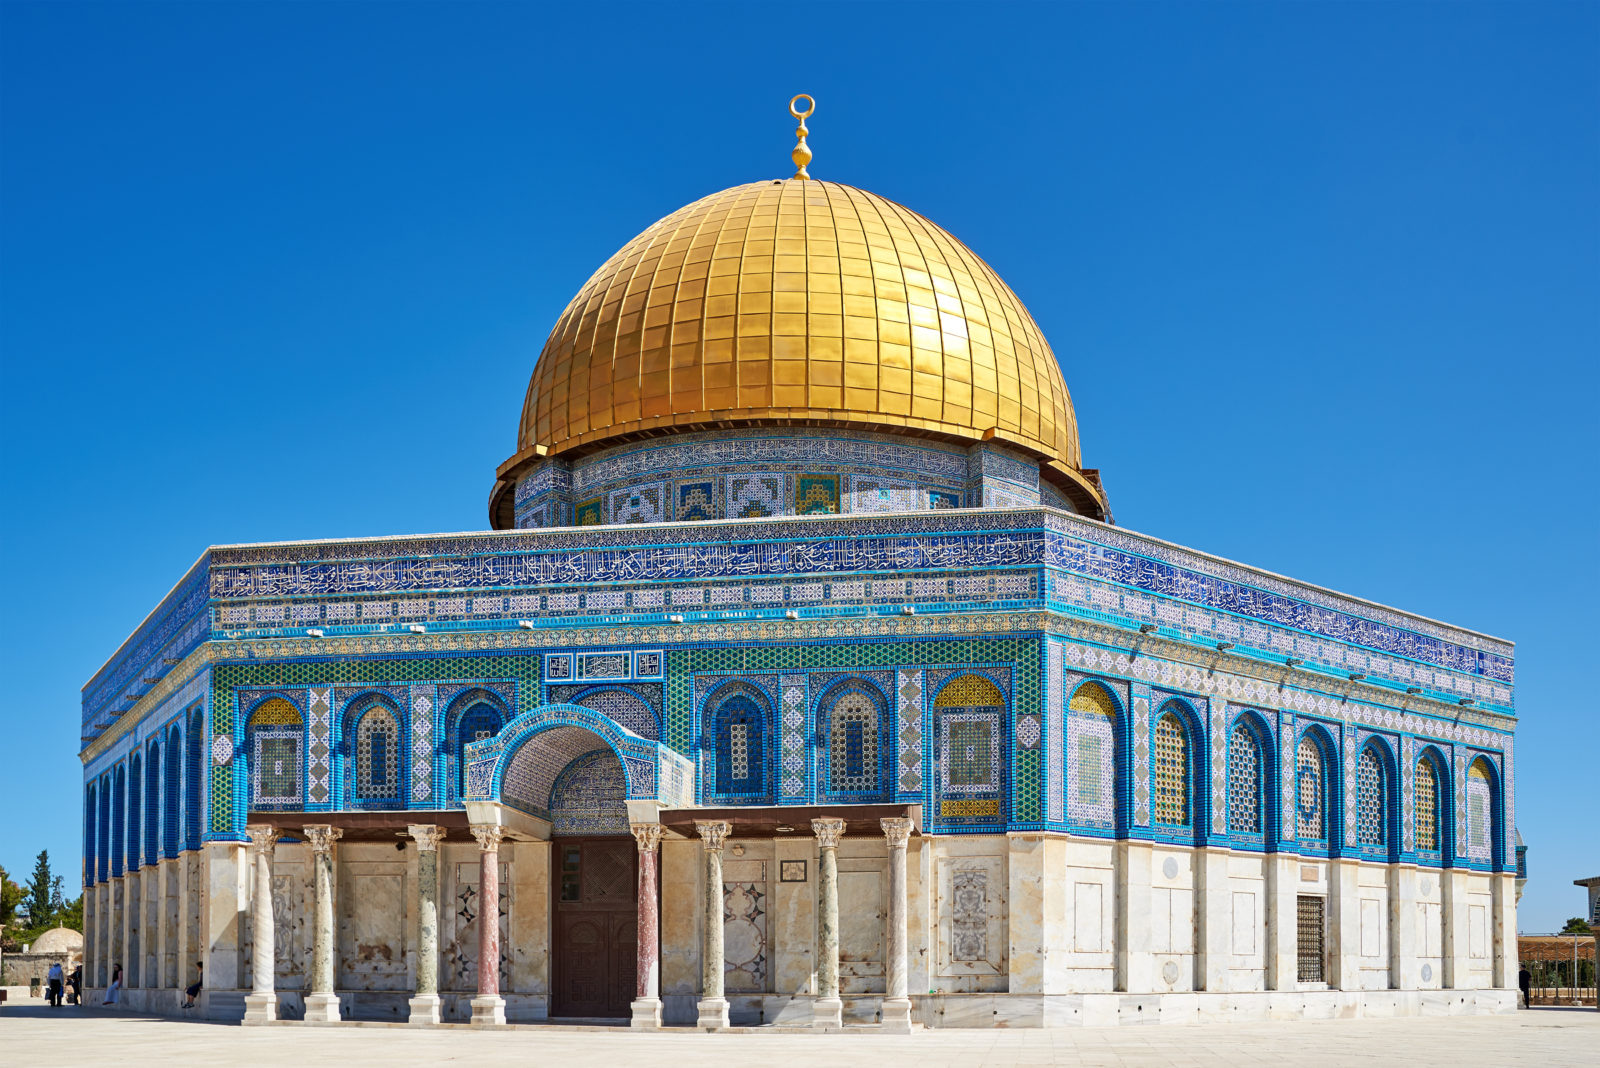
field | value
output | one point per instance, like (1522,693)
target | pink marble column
(647,1003)
(488,1008)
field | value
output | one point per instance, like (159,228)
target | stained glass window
(1310,819)
(853,744)
(1478,803)
(377,756)
(739,750)
(1244,782)
(1369,799)
(970,743)
(480,721)
(1170,775)
(1426,799)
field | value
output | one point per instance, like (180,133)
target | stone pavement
(34,1035)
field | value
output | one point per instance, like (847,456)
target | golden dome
(797,301)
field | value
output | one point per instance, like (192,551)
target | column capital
(262,837)
(713,834)
(828,832)
(896,828)
(489,836)
(428,836)
(647,835)
(322,837)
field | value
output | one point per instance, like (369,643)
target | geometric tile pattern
(1219,768)
(1055,734)
(1171,771)
(1408,769)
(1244,782)
(1287,819)
(422,746)
(794,754)
(1369,805)
(909,690)
(589,796)
(1141,756)
(1091,743)
(1479,841)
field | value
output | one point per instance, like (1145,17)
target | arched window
(741,749)
(1091,755)
(152,803)
(853,743)
(135,810)
(275,734)
(172,797)
(197,779)
(91,813)
(478,721)
(1425,799)
(1170,773)
(1244,781)
(119,818)
(969,711)
(1370,799)
(378,772)
(1480,811)
(1311,817)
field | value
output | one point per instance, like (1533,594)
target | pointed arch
(1314,786)
(195,771)
(850,717)
(1172,749)
(375,752)
(1375,795)
(1249,797)
(152,803)
(1484,842)
(274,739)
(119,821)
(1430,786)
(738,715)
(135,813)
(470,717)
(970,716)
(91,832)
(1095,756)
(172,793)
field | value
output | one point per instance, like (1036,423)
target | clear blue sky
(1324,280)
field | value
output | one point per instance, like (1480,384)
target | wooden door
(594,924)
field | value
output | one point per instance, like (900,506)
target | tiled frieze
(1219,767)
(909,702)
(794,755)
(1408,768)
(1055,731)
(1141,755)
(319,750)
(423,698)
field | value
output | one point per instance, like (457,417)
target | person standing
(115,989)
(53,987)
(1525,984)
(75,981)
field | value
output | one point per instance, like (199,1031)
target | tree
(38,903)
(71,914)
(1576,925)
(11,896)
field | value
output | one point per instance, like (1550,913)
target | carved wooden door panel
(594,922)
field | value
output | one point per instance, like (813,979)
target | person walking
(195,987)
(53,989)
(115,989)
(1525,983)
(75,982)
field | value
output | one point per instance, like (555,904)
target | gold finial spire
(802,152)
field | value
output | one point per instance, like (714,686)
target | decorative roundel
(1028,731)
(1169,971)
(222,749)
(1169,867)
(1426,886)
(1427,973)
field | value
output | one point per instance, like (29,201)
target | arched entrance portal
(571,776)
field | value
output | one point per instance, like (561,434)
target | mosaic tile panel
(1311,791)
(1348,770)
(1479,796)
(1055,731)
(698,500)
(816,494)
(757,495)
(589,796)
(623,707)
(1428,824)
(794,756)
(1458,757)
(1170,774)
(1091,742)
(1244,782)
(1141,756)
(909,691)
(422,746)
(1407,792)
(1218,739)
(639,504)
(1287,803)
(1370,799)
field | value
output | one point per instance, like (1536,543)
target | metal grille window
(1310,820)
(1427,804)
(1244,782)
(853,749)
(1369,799)
(377,756)
(1478,796)
(1309,948)
(1171,774)
(739,750)
(275,740)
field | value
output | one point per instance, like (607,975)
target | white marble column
(425,1006)
(261,1004)
(322,1004)
(647,974)
(896,1002)
(488,1008)
(827,1010)
(713,1006)
(1404,972)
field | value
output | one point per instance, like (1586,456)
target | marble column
(896,1002)
(713,1006)
(261,1004)
(425,1006)
(488,1008)
(647,974)
(322,1004)
(826,1009)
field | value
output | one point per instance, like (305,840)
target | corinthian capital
(488,836)
(428,836)
(322,837)
(262,838)
(896,828)
(648,835)
(713,833)
(828,832)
